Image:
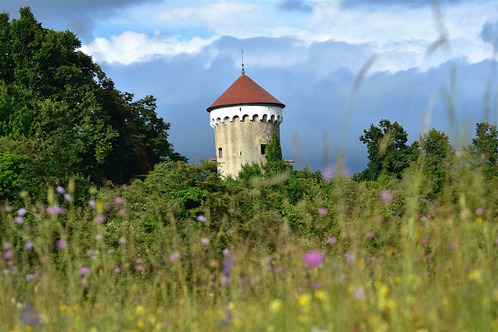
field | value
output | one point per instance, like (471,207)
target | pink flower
(59,189)
(313,258)
(19,220)
(116,270)
(452,245)
(322,211)
(100,218)
(479,212)
(54,210)
(386,196)
(60,243)
(328,174)
(121,212)
(118,201)
(139,267)
(174,256)
(32,276)
(22,212)
(370,235)
(122,240)
(205,241)
(84,270)
(8,255)
(332,240)
(28,245)
(67,197)
(201,218)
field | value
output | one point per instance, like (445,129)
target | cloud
(489,33)
(211,13)
(390,3)
(130,47)
(295,5)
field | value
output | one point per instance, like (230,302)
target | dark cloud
(78,16)
(489,33)
(317,104)
(295,5)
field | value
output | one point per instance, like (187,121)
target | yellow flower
(479,220)
(319,295)
(140,324)
(63,307)
(304,300)
(475,275)
(75,307)
(389,304)
(276,306)
(140,310)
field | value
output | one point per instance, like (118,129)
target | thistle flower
(313,258)
(386,196)
(19,220)
(479,212)
(59,189)
(100,218)
(8,255)
(22,212)
(322,211)
(205,241)
(174,256)
(201,218)
(67,197)
(28,245)
(122,240)
(84,270)
(118,201)
(60,243)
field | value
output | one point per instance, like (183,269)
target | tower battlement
(246,113)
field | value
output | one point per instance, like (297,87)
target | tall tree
(55,95)
(388,151)
(484,149)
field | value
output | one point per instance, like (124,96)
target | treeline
(61,117)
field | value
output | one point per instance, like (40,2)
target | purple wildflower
(100,218)
(350,257)
(7,245)
(429,256)
(328,174)
(92,204)
(118,201)
(496,241)
(59,189)
(205,241)
(54,210)
(358,294)
(22,212)
(370,235)
(8,208)
(201,218)
(332,240)
(373,259)
(28,245)
(29,317)
(67,197)
(116,270)
(139,267)
(386,196)
(174,256)
(479,212)
(228,263)
(19,220)
(452,245)
(60,243)
(84,270)
(121,212)
(32,276)
(8,255)
(122,240)
(322,211)
(315,285)
(313,258)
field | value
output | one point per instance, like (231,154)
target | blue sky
(423,64)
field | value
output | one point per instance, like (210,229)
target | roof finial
(242,55)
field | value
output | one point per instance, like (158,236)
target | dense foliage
(62,118)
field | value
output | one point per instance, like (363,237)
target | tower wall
(242,133)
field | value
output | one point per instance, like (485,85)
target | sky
(338,66)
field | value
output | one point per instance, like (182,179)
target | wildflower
(386,196)
(100,218)
(228,263)
(429,255)
(22,212)
(116,270)
(8,255)
(205,241)
(358,293)
(313,258)
(328,174)
(59,189)
(67,197)
(496,241)
(54,210)
(304,300)
(350,257)
(63,307)
(479,212)
(118,201)
(84,270)
(28,245)
(60,243)
(276,306)
(121,212)
(33,275)
(19,220)
(479,220)
(370,235)
(174,256)
(475,275)
(92,204)
(452,245)
(8,208)
(322,211)
(29,317)
(7,245)
(139,267)
(315,285)
(122,240)
(373,259)
(201,218)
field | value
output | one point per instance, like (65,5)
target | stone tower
(243,118)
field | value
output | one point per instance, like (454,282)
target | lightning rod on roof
(242,56)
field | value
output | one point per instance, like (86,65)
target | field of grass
(345,256)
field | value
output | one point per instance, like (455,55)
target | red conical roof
(244,91)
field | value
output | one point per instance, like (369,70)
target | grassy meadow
(183,250)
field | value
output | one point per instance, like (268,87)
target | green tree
(435,151)
(388,152)
(484,149)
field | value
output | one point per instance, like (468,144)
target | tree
(484,149)
(387,150)
(435,150)
(57,97)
